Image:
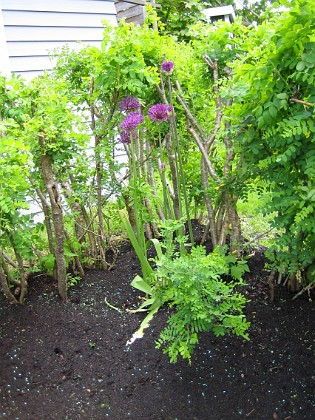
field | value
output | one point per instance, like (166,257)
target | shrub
(202,290)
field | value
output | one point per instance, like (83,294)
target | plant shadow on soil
(70,360)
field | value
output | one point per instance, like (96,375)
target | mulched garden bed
(70,360)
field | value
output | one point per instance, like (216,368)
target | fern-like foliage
(196,286)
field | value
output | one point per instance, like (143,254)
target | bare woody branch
(218,105)
(299,101)
(191,119)
(205,156)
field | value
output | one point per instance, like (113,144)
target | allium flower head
(168,67)
(131,122)
(159,112)
(125,137)
(129,103)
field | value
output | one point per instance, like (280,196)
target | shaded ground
(70,360)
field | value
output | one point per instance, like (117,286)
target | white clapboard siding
(18,33)
(30,30)
(64,6)
(26,49)
(25,64)
(36,19)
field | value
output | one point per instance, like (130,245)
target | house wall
(30,29)
(131,11)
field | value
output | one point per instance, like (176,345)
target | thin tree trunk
(47,220)
(208,202)
(8,259)
(99,178)
(23,277)
(235,224)
(57,218)
(6,290)
(76,208)
(90,233)
(6,271)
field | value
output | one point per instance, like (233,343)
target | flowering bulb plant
(130,103)
(167,67)
(132,121)
(129,127)
(127,136)
(134,194)
(159,112)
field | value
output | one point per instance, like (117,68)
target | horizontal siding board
(20,48)
(16,33)
(39,19)
(31,63)
(29,75)
(80,6)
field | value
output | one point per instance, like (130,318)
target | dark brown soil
(70,360)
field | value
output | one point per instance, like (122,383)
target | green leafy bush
(273,106)
(202,290)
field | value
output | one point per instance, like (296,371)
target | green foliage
(265,93)
(72,280)
(194,286)
(16,236)
(201,288)
(276,107)
(176,16)
(126,64)
(53,118)
(48,263)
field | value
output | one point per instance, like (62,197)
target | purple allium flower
(129,103)
(131,122)
(125,137)
(168,67)
(159,112)
(163,165)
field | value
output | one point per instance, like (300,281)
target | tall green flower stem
(167,208)
(180,161)
(136,237)
(135,176)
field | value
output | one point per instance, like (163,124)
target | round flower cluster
(126,136)
(129,103)
(129,126)
(131,122)
(167,67)
(159,112)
